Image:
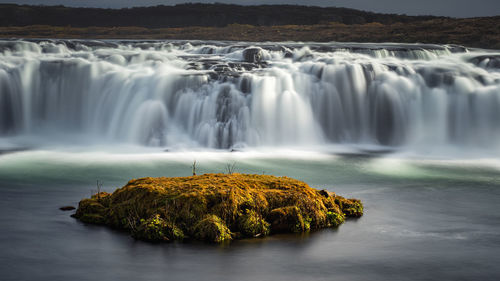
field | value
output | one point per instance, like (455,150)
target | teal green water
(424,220)
(80,168)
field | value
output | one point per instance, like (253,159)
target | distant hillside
(207,15)
(247,23)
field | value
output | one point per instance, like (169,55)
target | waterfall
(231,95)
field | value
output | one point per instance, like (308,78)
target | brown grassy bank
(473,32)
(216,207)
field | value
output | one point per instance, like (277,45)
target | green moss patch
(212,229)
(216,207)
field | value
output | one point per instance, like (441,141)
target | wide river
(412,130)
(424,220)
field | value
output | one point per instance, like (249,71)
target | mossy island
(216,207)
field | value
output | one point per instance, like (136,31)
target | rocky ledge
(216,207)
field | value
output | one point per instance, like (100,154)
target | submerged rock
(216,207)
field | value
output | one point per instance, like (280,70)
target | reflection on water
(424,220)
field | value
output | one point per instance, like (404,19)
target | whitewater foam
(218,95)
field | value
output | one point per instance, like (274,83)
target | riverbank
(471,32)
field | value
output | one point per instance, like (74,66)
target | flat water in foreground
(424,220)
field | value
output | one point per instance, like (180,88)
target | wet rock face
(216,207)
(253,55)
(487,61)
(222,70)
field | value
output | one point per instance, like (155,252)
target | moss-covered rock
(91,211)
(335,219)
(251,224)
(352,208)
(157,229)
(287,219)
(216,207)
(212,229)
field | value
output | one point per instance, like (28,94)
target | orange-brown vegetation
(216,207)
(472,32)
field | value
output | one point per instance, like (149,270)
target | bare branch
(230,168)
(194,168)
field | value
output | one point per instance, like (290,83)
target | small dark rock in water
(67,208)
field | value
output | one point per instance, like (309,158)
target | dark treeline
(183,15)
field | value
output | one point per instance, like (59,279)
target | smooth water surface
(424,220)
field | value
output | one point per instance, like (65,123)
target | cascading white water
(224,95)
